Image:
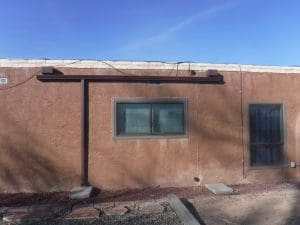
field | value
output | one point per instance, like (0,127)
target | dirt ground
(259,204)
(21,199)
(276,204)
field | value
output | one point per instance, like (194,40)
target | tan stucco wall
(278,88)
(40,132)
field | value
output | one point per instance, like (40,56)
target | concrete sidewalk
(276,207)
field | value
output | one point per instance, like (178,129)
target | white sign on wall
(3,80)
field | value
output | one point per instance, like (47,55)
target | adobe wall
(40,132)
(277,88)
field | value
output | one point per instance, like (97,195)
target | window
(3,80)
(266,134)
(150,118)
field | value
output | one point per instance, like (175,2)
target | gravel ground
(274,203)
(167,218)
(20,199)
(134,217)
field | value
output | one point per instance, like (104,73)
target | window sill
(280,166)
(147,137)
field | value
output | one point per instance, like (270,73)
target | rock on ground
(118,210)
(80,212)
(150,207)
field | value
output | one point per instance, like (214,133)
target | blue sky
(263,32)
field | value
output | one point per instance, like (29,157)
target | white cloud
(161,37)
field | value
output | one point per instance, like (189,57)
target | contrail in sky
(214,11)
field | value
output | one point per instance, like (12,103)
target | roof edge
(137,65)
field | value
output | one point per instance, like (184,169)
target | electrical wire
(176,64)
(33,75)
(170,73)
(115,68)
(242,121)
(20,83)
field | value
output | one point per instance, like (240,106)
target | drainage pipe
(84,133)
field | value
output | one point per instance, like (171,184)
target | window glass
(150,118)
(133,118)
(168,118)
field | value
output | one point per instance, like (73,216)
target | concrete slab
(219,188)
(21,209)
(118,210)
(23,216)
(40,208)
(82,212)
(103,205)
(151,207)
(126,204)
(82,205)
(82,192)
(186,217)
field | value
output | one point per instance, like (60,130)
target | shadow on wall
(217,132)
(26,165)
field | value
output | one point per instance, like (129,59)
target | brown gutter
(131,79)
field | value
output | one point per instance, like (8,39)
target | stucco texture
(40,132)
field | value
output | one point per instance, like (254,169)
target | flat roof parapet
(144,65)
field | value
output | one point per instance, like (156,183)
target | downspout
(84,132)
